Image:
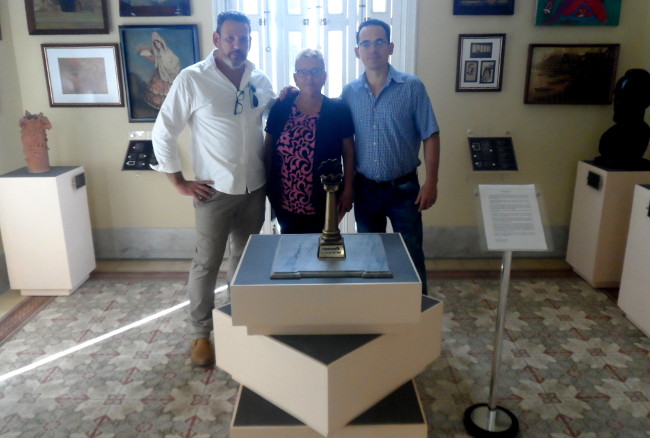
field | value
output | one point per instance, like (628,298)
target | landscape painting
(571,73)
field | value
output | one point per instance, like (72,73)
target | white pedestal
(599,222)
(327,380)
(634,293)
(329,305)
(400,415)
(46,231)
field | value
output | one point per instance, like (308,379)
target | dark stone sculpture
(623,145)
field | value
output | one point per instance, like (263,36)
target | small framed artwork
(578,12)
(484,7)
(480,62)
(83,74)
(154,8)
(571,73)
(153,56)
(66,17)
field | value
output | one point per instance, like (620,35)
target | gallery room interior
(94,336)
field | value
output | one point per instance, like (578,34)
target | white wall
(135,211)
(548,139)
(11,155)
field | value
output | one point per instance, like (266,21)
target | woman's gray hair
(310,53)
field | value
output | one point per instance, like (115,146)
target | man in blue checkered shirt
(392,116)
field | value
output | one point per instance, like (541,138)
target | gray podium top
(52,173)
(257,263)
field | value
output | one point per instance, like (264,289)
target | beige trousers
(221,217)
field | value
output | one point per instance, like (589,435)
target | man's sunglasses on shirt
(239,106)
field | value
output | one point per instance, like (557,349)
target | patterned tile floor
(572,364)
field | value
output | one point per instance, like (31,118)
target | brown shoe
(202,353)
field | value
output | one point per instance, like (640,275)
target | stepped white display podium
(634,293)
(46,230)
(600,217)
(326,380)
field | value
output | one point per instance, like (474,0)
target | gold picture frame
(67,17)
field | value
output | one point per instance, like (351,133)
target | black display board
(492,153)
(139,155)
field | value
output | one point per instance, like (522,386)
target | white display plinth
(327,380)
(46,230)
(599,223)
(323,305)
(400,415)
(634,293)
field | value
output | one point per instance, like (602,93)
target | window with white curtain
(281,28)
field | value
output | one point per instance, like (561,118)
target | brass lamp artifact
(330,244)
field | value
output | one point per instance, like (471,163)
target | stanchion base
(477,422)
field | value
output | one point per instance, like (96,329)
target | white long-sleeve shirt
(226,147)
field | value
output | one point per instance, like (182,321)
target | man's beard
(230,63)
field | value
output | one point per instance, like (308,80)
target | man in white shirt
(222,99)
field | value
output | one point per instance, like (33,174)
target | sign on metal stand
(512,221)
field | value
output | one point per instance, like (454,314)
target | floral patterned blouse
(296,149)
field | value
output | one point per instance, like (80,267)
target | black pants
(292,223)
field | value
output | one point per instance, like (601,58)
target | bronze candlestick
(330,244)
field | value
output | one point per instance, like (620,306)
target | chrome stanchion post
(484,420)
(501,322)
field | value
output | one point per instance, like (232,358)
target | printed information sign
(512,218)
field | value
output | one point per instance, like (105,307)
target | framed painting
(571,73)
(66,17)
(83,74)
(480,62)
(484,7)
(154,8)
(152,57)
(578,12)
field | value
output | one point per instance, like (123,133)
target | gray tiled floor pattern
(572,365)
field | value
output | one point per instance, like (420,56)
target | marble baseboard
(465,242)
(144,243)
(178,243)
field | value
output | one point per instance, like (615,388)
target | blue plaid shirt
(389,128)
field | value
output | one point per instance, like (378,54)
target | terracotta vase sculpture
(34,138)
